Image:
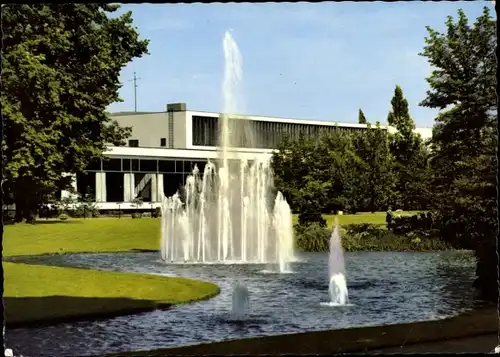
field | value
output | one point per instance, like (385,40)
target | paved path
(478,344)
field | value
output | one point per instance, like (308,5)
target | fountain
(337,287)
(241,301)
(226,214)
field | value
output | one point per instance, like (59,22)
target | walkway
(478,344)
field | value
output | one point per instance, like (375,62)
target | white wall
(182,131)
(147,128)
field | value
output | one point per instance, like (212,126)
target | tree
(376,177)
(300,177)
(410,156)
(60,69)
(341,167)
(464,142)
(361,117)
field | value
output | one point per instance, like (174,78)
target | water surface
(384,287)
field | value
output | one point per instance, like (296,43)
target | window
(112,164)
(163,142)
(179,166)
(133,143)
(200,164)
(135,165)
(126,165)
(166,166)
(148,165)
(204,130)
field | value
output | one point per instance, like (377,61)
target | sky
(318,61)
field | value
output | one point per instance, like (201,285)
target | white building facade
(165,146)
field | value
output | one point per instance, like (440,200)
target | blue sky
(312,61)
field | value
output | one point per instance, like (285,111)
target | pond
(384,287)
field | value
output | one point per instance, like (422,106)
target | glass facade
(205,130)
(171,166)
(255,133)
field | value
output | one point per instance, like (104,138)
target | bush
(157,212)
(63,217)
(312,237)
(96,214)
(310,216)
(365,229)
(8,216)
(136,215)
(113,213)
(366,237)
(419,222)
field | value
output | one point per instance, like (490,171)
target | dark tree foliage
(340,171)
(411,157)
(361,117)
(465,139)
(60,69)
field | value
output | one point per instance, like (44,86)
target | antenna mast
(134,80)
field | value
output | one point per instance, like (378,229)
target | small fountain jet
(337,287)
(241,300)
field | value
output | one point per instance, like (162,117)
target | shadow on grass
(55,221)
(49,310)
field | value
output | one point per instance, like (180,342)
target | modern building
(165,146)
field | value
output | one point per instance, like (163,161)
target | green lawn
(377,218)
(113,234)
(37,294)
(90,235)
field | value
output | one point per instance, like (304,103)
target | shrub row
(423,222)
(365,237)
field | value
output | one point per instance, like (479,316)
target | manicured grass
(113,234)
(377,218)
(90,235)
(36,294)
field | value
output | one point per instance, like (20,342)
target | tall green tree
(301,176)
(462,85)
(376,177)
(342,169)
(361,117)
(410,154)
(60,70)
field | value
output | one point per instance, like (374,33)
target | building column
(68,194)
(154,188)
(159,185)
(100,187)
(128,187)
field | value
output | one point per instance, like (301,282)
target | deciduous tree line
(354,171)
(457,178)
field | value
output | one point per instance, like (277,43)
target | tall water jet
(240,300)
(284,229)
(337,287)
(226,214)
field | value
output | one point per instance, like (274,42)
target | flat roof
(425,132)
(207,153)
(122,114)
